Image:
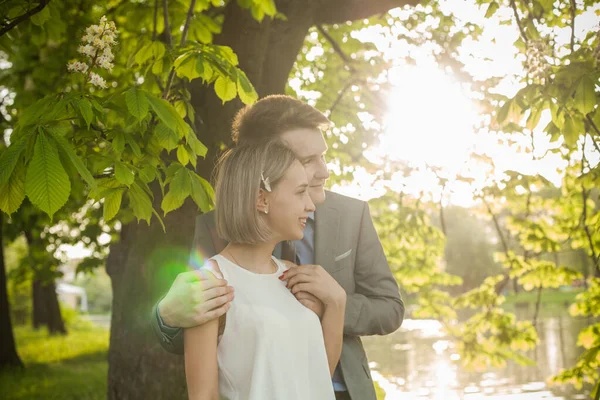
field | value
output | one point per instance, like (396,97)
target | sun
(430,119)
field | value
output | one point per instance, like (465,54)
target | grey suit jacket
(347,246)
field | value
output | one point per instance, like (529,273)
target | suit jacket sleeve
(205,242)
(376,307)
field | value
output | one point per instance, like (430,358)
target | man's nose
(322,172)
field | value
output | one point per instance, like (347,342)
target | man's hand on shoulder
(195,297)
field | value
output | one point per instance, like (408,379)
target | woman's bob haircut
(237,186)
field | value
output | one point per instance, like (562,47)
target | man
(340,237)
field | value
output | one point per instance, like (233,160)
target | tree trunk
(143,264)
(8,350)
(38,309)
(45,307)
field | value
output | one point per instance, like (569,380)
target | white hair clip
(265,182)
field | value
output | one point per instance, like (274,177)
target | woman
(268,346)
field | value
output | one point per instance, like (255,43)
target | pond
(418,361)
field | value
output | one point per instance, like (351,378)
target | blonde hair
(238,181)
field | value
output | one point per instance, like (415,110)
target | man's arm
(194,298)
(376,307)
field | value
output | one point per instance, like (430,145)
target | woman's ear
(262,202)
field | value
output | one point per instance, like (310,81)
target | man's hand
(316,281)
(194,298)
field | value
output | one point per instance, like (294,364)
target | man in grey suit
(339,237)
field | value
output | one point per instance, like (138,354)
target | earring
(266,210)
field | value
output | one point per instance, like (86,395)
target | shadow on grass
(82,377)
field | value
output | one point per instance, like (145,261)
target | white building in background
(72,296)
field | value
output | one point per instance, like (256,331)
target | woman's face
(289,204)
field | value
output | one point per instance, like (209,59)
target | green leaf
(167,138)
(144,54)
(181,108)
(10,156)
(118,142)
(158,66)
(245,89)
(137,103)
(147,174)
(67,149)
(133,145)
(12,193)
(196,145)
(41,17)
(509,112)
(558,117)
(140,202)
(189,65)
(585,96)
(225,88)
(182,155)
(47,184)
(202,193)
(85,109)
(492,8)
(180,188)
(534,117)
(112,203)
(167,114)
(123,173)
(573,128)
(158,49)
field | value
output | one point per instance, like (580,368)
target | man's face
(310,147)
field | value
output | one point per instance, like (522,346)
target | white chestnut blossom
(97,48)
(536,64)
(97,80)
(77,66)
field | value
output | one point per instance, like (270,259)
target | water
(418,362)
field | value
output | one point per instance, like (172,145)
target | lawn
(72,367)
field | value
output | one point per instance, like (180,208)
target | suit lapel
(326,235)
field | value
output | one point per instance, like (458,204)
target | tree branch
(538,302)
(336,46)
(506,278)
(167,30)
(21,18)
(590,121)
(186,29)
(155,20)
(339,11)
(519,23)
(573,13)
(339,97)
(584,195)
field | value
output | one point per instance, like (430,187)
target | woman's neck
(253,257)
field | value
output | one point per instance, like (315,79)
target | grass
(59,367)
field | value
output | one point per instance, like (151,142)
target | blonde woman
(268,346)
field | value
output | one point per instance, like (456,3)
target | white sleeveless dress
(272,347)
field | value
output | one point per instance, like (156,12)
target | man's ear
(262,202)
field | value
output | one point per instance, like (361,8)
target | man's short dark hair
(273,115)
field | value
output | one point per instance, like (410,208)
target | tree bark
(45,307)
(8,351)
(143,264)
